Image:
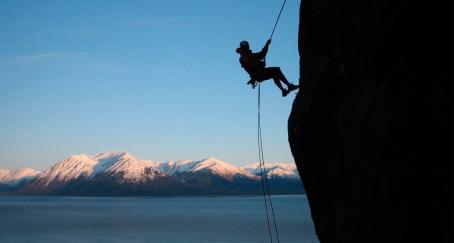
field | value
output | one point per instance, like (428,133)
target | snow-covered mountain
(3,173)
(174,167)
(126,166)
(71,168)
(120,173)
(209,165)
(14,178)
(283,170)
(120,164)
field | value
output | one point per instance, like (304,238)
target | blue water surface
(148,219)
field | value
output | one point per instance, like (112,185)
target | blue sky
(159,79)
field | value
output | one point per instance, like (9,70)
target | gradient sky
(159,79)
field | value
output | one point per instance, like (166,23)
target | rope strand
(261,168)
(263,173)
(277,20)
(268,187)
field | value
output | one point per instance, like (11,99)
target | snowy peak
(3,173)
(285,170)
(132,169)
(23,173)
(71,168)
(13,178)
(228,171)
(211,165)
(179,166)
(120,164)
(107,160)
(112,156)
(217,167)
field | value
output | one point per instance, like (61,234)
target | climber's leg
(277,76)
(278,84)
(276,72)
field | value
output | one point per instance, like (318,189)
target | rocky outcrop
(371,128)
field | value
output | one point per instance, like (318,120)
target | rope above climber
(255,66)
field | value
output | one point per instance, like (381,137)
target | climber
(254,64)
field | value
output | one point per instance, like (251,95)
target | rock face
(371,128)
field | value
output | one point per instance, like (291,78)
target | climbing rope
(263,172)
(277,20)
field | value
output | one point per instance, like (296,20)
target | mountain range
(122,174)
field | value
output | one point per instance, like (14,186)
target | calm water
(178,219)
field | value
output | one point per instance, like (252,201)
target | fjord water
(170,219)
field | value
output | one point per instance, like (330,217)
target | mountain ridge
(121,173)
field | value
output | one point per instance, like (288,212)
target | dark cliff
(371,128)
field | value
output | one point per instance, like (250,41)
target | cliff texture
(371,128)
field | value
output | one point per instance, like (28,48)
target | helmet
(244,44)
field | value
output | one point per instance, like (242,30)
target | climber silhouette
(254,64)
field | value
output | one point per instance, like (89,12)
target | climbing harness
(263,172)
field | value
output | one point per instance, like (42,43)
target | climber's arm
(264,51)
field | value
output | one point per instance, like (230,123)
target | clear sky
(159,79)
